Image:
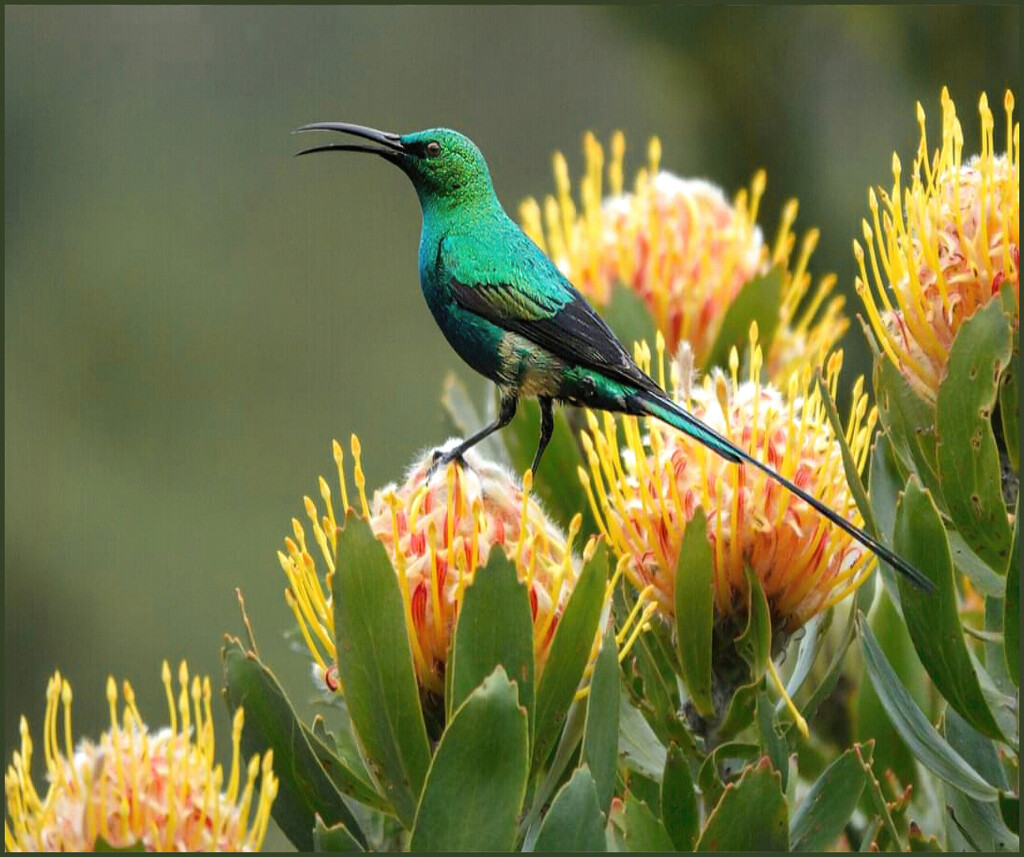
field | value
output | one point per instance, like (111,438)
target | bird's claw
(439,458)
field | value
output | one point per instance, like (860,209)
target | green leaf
(304,789)
(570,651)
(639,747)
(983,578)
(694,603)
(1011,607)
(980,820)
(477,780)
(1009,403)
(628,316)
(334,839)
(346,779)
(644,830)
(922,739)
(828,805)
(556,483)
(721,764)
(679,811)
(755,643)
(850,469)
(872,723)
(967,453)
(601,732)
(375,666)
(910,424)
(807,650)
(494,628)
(933,619)
(757,301)
(752,814)
(575,821)
(466,420)
(772,743)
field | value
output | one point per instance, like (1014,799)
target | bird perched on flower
(510,313)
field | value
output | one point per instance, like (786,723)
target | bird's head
(444,165)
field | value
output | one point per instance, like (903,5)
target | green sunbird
(509,312)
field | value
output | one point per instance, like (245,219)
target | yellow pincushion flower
(646,491)
(942,247)
(161,790)
(685,249)
(437,532)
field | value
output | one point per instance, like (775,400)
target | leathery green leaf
(872,722)
(601,732)
(751,815)
(304,791)
(644,830)
(575,821)
(335,839)
(755,643)
(758,301)
(494,628)
(828,805)
(1011,607)
(477,780)
(679,811)
(375,666)
(694,603)
(922,739)
(968,456)
(1009,403)
(933,619)
(910,424)
(638,745)
(982,821)
(772,743)
(570,651)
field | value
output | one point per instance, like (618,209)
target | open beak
(389,146)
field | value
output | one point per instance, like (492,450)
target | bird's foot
(440,458)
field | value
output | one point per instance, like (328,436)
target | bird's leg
(547,426)
(506,410)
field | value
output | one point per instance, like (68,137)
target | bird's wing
(529,296)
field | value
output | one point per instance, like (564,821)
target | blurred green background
(191,314)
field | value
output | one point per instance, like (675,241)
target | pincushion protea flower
(437,531)
(685,249)
(645,492)
(942,247)
(159,791)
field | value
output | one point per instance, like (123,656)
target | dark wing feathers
(571,331)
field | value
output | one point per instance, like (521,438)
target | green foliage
(752,814)
(477,778)
(575,821)
(758,301)
(968,458)
(694,603)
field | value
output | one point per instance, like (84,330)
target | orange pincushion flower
(646,492)
(685,249)
(161,790)
(437,532)
(942,247)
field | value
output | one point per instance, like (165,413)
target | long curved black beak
(389,146)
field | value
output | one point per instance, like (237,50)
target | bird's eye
(433,149)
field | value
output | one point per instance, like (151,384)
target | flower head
(646,492)
(437,530)
(160,790)
(685,249)
(943,246)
